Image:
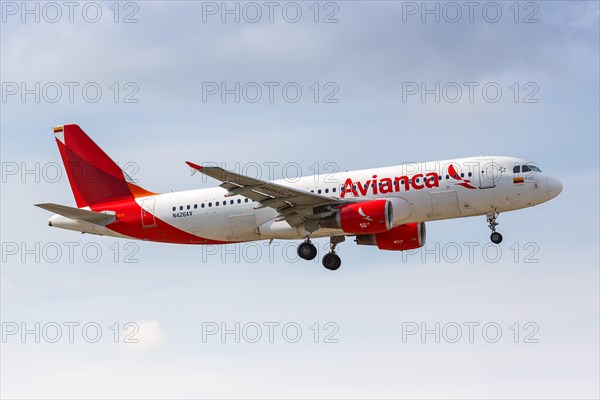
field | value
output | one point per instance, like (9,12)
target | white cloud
(71,375)
(148,334)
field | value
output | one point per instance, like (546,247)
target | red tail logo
(93,176)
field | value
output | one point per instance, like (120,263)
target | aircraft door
(148,219)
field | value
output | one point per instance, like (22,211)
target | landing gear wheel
(307,251)
(491,219)
(332,261)
(496,238)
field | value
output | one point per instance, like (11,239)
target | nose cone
(554,187)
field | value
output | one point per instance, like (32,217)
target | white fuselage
(481,185)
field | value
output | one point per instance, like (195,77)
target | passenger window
(525,168)
(188,207)
(180,208)
(217,204)
(195,206)
(319,191)
(174,208)
(239,201)
(470,174)
(246,200)
(516,169)
(210,204)
(202,205)
(333,190)
(326,190)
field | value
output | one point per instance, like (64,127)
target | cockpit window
(534,168)
(516,169)
(525,168)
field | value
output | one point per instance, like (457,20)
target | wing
(293,205)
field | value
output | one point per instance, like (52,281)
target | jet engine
(361,218)
(403,237)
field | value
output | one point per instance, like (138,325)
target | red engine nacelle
(373,216)
(403,237)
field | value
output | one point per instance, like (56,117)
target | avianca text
(375,186)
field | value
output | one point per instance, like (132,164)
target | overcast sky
(368,84)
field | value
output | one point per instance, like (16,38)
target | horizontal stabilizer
(100,218)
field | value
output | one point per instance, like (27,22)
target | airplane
(383,207)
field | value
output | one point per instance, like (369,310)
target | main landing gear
(331,261)
(491,219)
(307,250)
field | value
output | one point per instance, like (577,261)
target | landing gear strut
(491,219)
(332,261)
(307,250)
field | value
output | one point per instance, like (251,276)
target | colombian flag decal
(58,129)
(518,180)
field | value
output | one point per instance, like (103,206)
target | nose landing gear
(495,237)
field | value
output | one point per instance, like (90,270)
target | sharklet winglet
(195,167)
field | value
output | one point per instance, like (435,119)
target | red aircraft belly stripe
(129,223)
